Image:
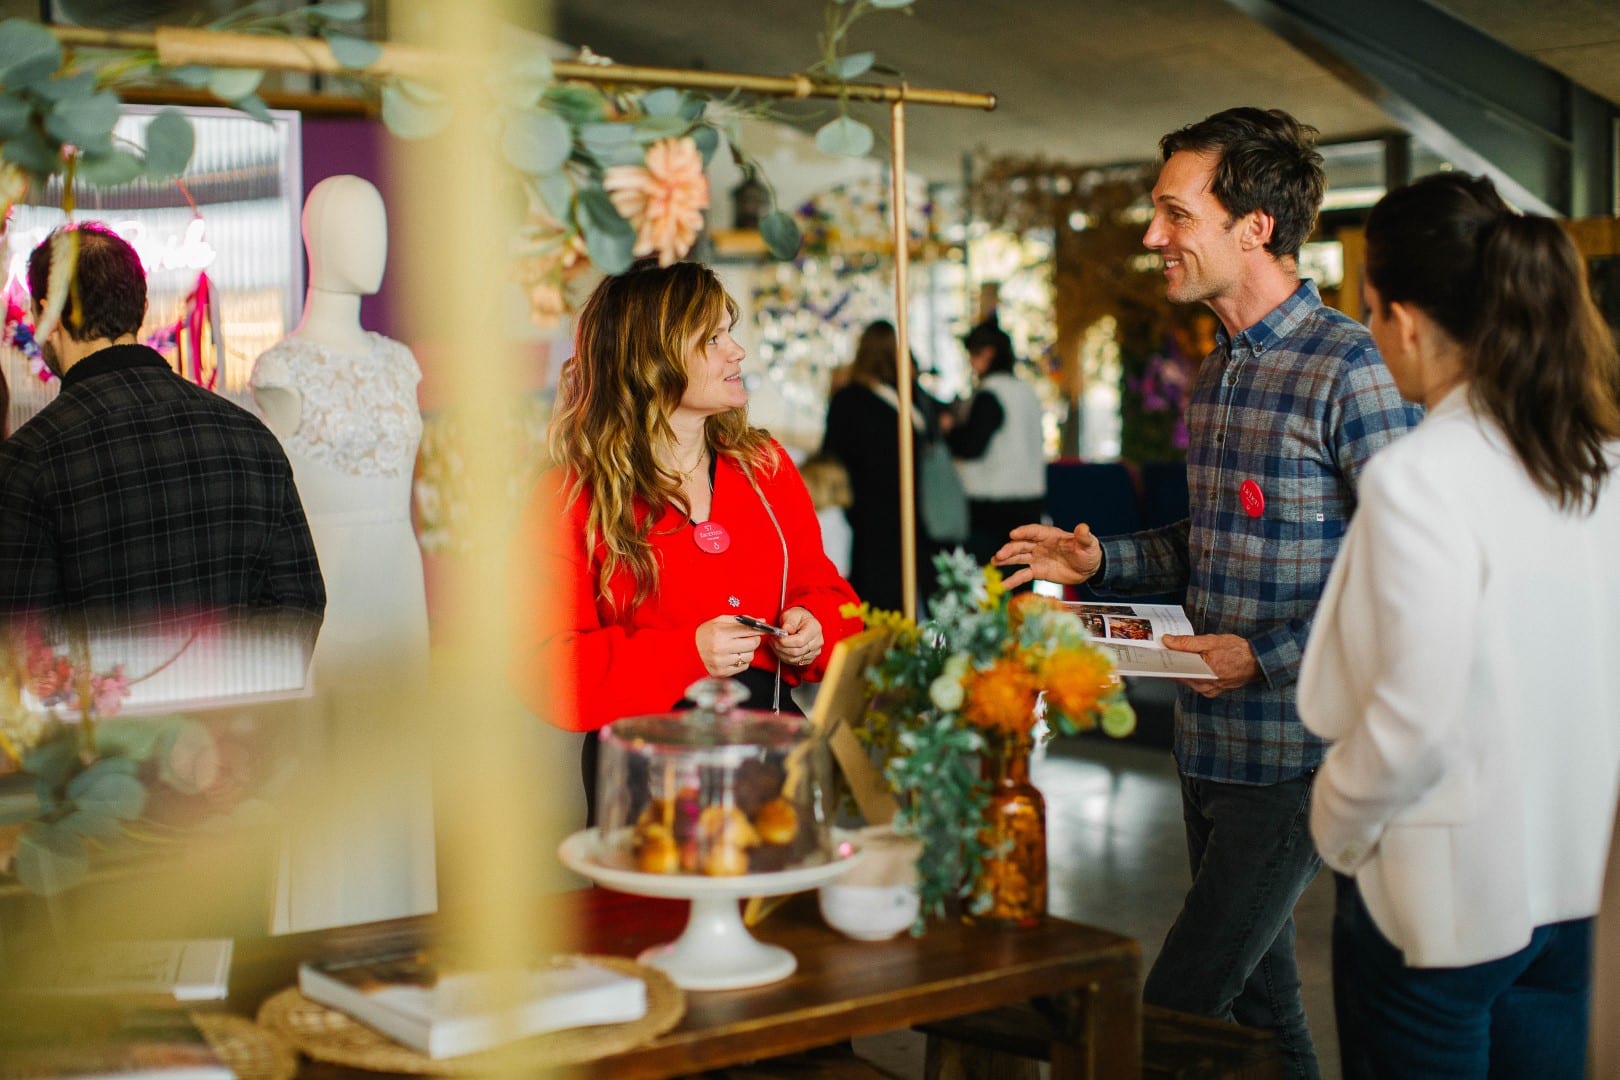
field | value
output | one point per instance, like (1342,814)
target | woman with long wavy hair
(1463,658)
(666,518)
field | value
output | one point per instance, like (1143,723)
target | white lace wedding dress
(361,848)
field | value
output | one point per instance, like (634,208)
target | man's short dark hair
(1267,161)
(109,284)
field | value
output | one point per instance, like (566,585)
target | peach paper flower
(663,200)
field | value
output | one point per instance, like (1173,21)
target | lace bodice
(358,413)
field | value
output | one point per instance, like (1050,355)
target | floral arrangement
(606,174)
(971,680)
(1163,387)
(76,780)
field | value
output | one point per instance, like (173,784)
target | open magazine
(1131,632)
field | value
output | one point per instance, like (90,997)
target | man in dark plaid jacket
(1284,415)
(135,495)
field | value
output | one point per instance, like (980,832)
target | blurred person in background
(999,447)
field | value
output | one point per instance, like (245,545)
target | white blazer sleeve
(1395,656)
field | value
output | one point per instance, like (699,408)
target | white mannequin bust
(346,239)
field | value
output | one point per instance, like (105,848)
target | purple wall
(339,145)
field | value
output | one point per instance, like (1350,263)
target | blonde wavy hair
(614,400)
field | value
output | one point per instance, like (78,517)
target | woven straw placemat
(329,1035)
(252,1052)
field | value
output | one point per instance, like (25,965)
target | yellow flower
(1002,699)
(1076,682)
(993,588)
(663,200)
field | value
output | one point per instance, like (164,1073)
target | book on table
(96,1041)
(1130,634)
(404,996)
(194,969)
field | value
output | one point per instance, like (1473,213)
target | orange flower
(1002,699)
(664,200)
(1025,604)
(1076,680)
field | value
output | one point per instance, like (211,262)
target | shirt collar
(113,358)
(1277,323)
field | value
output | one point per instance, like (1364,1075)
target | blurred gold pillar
(453,240)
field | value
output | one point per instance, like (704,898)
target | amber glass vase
(1014,875)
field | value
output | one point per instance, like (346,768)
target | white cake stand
(715,951)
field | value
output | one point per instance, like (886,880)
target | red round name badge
(711,536)
(1252,498)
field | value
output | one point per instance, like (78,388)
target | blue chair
(1164,493)
(1102,494)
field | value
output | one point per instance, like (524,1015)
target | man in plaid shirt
(1284,415)
(135,495)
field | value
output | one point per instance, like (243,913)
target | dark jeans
(1230,954)
(1524,1015)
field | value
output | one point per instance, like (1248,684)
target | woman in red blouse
(668,516)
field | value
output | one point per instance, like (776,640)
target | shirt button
(1220,440)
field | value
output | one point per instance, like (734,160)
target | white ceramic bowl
(868,912)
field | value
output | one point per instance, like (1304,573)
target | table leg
(1099,1031)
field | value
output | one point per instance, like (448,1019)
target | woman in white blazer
(1466,654)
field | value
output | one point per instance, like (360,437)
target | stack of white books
(445,1014)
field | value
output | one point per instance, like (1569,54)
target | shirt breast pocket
(1303,507)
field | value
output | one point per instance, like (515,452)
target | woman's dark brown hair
(1512,290)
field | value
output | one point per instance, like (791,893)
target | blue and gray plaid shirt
(1296,403)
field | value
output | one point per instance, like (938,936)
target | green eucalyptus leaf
(891,4)
(255,107)
(650,129)
(92,823)
(596,210)
(781,235)
(557,194)
(536,142)
(13,115)
(109,169)
(692,107)
(708,141)
(410,118)
(421,93)
(136,740)
(353,52)
(81,84)
(579,105)
(521,79)
(50,859)
(31,54)
(611,144)
(665,101)
(234,84)
(195,76)
(610,252)
(339,10)
(111,792)
(848,67)
(169,143)
(844,137)
(83,121)
(51,762)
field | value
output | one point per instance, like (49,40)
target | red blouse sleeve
(568,665)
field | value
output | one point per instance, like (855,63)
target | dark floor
(1117,859)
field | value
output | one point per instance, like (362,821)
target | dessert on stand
(712,805)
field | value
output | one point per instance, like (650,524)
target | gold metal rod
(177,45)
(902,359)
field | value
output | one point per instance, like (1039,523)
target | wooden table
(1086,978)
